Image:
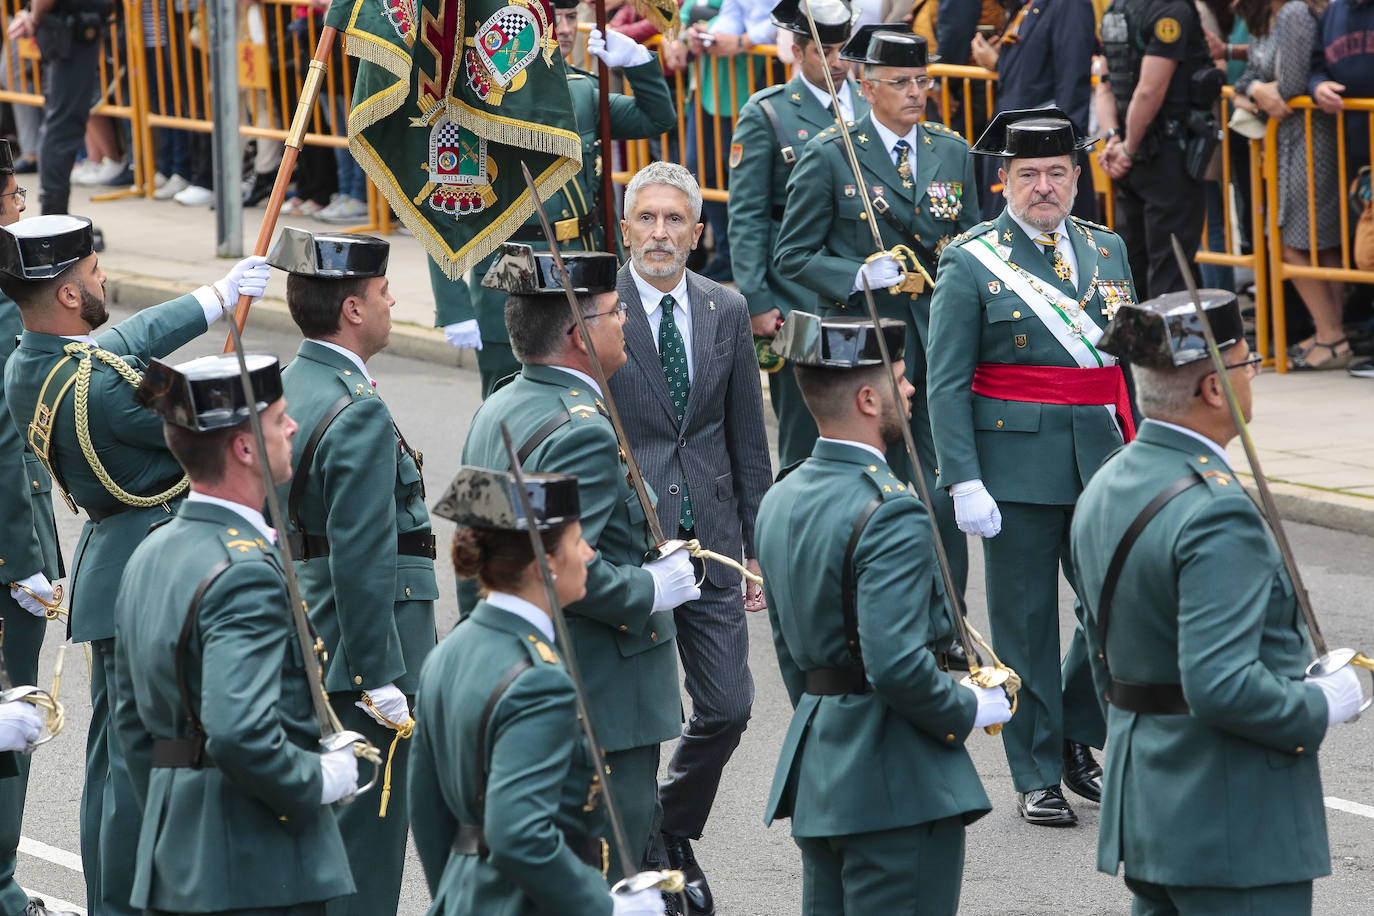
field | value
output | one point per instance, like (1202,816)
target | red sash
(1058,385)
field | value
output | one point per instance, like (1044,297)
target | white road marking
(51,854)
(55,903)
(1349,807)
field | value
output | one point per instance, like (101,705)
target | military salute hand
(463,335)
(674,580)
(41,589)
(338,774)
(246,278)
(389,706)
(20,725)
(975,511)
(1342,691)
(616,50)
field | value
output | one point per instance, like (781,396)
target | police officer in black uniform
(1155,110)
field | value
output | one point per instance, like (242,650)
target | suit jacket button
(949,737)
(1299,749)
(623,628)
(35,485)
(653,637)
(999,424)
(357,678)
(407,591)
(682,443)
(673,489)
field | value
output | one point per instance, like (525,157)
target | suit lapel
(639,340)
(877,161)
(1024,252)
(927,164)
(808,108)
(704,317)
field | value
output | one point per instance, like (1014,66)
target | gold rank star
(863,138)
(927,139)
(1006,236)
(796,97)
(907,184)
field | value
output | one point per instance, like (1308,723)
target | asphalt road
(1011,868)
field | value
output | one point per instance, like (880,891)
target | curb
(1295,502)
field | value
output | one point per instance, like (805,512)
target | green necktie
(674,358)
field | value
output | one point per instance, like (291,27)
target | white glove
(20,725)
(975,511)
(1342,691)
(338,775)
(674,580)
(993,706)
(246,278)
(880,273)
(39,585)
(463,335)
(616,49)
(648,902)
(390,702)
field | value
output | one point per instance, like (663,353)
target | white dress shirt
(890,140)
(863,445)
(746,17)
(247,513)
(1061,243)
(823,96)
(355,358)
(587,379)
(651,297)
(524,610)
(1216,448)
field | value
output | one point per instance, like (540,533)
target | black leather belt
(99,515)
(409,544)
(181,753)
(830,682)
(591,850)
(564,229)
(1150,699)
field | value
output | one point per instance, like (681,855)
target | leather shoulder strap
(302,474)
(847,583)
(188,628)
(545,430)
(513,672)
(908,237)
(789,155)
(1123,549)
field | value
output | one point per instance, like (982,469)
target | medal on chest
(946,199)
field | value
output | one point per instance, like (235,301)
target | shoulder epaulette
(935,127)
(887,483)
(582,403)
(540,651)
(973,233)
(1090,224)
(357,384)
(767,91)
(1215,474)
(243,539)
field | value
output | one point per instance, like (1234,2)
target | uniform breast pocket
(851,220)
(1006,416)
(1009,325)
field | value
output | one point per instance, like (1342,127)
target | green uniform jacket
(647,113)
(248,830)
(894,756)
(127,438)
(627,653)
(825,236)
(1229,795)
(29,541)
(373,608)
(1023,451)
(539,776)
(758,188)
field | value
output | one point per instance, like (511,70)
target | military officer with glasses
(1199,647)
(920,178)
(1024,408)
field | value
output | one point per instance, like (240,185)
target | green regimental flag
(450,96)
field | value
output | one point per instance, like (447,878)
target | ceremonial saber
(662,545)
(295,139)
(333,735)
(35,696)
(1326,660)
(996,674)
(671,881)
(898,252)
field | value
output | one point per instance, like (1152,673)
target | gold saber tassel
(694,549)
(994,675)
(404,730)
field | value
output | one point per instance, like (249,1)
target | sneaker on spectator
(1362,369)
(171,188)
(82,172)
(159,179)
(195,196)
(108,172)
(343,209)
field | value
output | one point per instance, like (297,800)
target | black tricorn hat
(43,247)
(836,343)
(206,393)
(566,4)
(482,498)
(329,255)
(856,49)
(1165,333)
(6,158)
(520,270)
(833,19)
(1031,133)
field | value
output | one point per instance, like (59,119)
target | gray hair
(1168,394)
(665,173)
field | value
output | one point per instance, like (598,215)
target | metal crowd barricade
(1280,270)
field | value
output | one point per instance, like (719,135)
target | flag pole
(295,139)
(604,118)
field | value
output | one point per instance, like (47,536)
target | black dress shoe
(36,907)
(672,905)
(1046,808)
(956,657)
(698,892)
(1082,774)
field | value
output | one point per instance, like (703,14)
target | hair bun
(469,553)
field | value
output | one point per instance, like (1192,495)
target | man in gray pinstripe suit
(693,410)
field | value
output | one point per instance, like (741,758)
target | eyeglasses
(1250,364)
(17,192)
(618,307)
(901,83)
